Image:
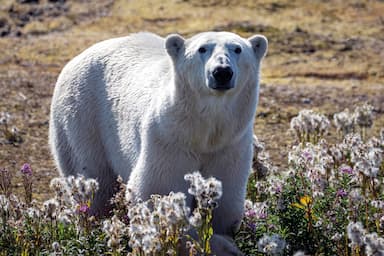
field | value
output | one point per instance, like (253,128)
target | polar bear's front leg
(160,169)
(232,167)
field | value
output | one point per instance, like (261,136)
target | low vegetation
(328,201)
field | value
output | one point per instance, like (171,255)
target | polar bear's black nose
(222,75)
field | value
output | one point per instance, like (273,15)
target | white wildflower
(381,222)
(313,161)
(271,245)
(206,191)
(364,116)
(336,153)
(56,248)
(196,219)
(114,230)
(261,187)
(65,216)
(276,184)
(374,155)
(374,245)
(4,203)
(344,121)
(91,186)
(140,229)
(262,165)
(309,123)
(58,185)
(337,237)
(159,216)
(61,190)
(33,213)
(297,126)
(73,192)
(130,196)
(367,168)
(378,204)
(151,243)
(257,145)
(5,117)
(50,208)
(355,195)
(255,211)
(356,232)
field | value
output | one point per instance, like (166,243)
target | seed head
(356,232)
(271,245)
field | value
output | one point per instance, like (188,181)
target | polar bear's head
(217,62)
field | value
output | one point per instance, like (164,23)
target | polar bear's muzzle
(222,78)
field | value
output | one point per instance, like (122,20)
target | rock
(306,101)
(28,1)
(5,28)
(57,1)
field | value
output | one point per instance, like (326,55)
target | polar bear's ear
(174,44)
(259,45)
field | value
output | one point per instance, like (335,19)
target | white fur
(140,107)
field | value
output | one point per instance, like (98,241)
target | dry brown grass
(325,55)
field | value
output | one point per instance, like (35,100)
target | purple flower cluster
(26,169)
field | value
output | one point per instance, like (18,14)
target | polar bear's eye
(237,50)
(202,50)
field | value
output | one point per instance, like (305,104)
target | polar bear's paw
(224,246)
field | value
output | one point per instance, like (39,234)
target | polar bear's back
(143,45)
(115,59)
(116,54)
(99,98)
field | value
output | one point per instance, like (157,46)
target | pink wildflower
(345,169)
(83,208)
(341,193)
(26,169)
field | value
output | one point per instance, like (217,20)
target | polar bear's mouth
(222,87)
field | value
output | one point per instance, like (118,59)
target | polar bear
(152,109)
